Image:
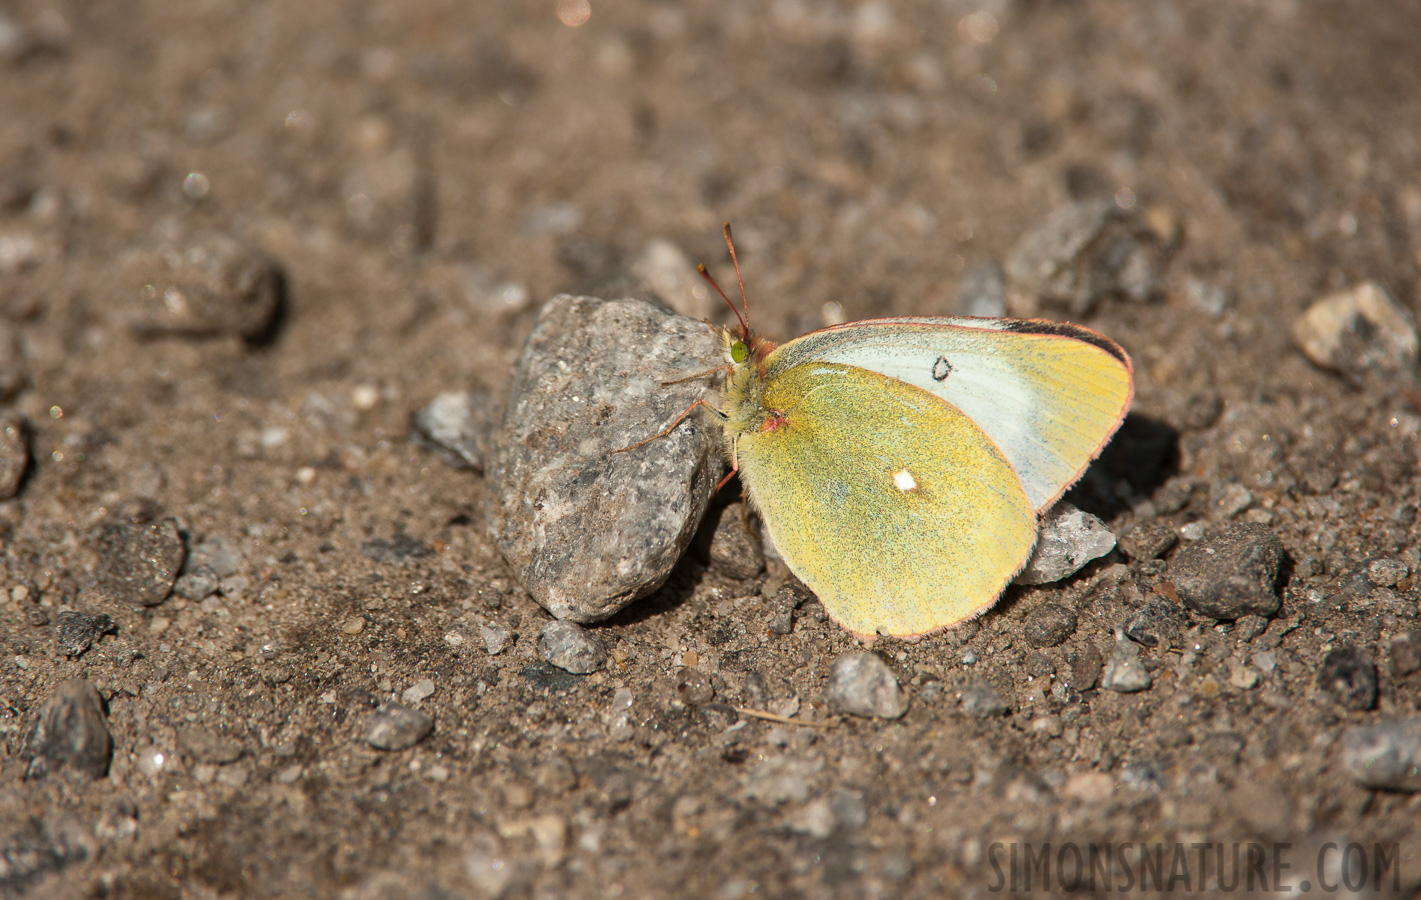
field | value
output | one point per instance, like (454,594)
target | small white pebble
(364,397)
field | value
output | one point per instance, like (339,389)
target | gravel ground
(257,642)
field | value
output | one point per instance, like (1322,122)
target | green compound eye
(739,352)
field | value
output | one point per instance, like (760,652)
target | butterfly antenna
(744,328)
(745,319)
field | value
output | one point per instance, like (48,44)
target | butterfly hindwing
(1048,394)
(893,506)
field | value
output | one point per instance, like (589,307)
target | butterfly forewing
(898,511)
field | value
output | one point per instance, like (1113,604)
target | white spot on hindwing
(904,481)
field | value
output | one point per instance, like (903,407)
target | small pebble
(1357,331)
(693,687)
(1386,572)
(1348,677)
(862,684)
(212,285)
(420,690)
(1230,574)
(1148,540)
(78,631)
(1246,628)
(496,638)
(14,452)
(1405,652)
(353,625)
(982,292)
(215,553)
(138,562)
(1124,672)
(1069,539)
(671,275)
(1081,253)
(1158,624)
(980,700)
(1085,667)
(1232,500)
(197,583)
(1192,531)
(458,426)
(71,731)
(1386,755)
(395,727)
(571,648)
(1048,625)
(1244,678)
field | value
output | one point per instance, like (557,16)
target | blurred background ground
(368,202)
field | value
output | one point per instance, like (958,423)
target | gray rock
(215,553)
(78,631)
(206,285)
(1124,672)
(457,425)
(139,561)
(1349,678)
(395,726)
(571,648)
(1358,330)
(861,684)
(70,731)
(1231,574)
(1069,539)
(981,701)
(1148,540)
(1048,625)
(1080,253)
(207,747)
(588,530)
(982,292)
(1386,755)
(14,452)
(197,583)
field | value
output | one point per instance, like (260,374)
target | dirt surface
(241,243)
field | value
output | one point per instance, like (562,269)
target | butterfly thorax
(744,389)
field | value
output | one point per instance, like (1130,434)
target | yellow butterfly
(900,465)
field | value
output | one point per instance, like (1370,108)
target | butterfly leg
(667,430)
(734,462)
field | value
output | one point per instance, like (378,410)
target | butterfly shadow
(1143,456)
